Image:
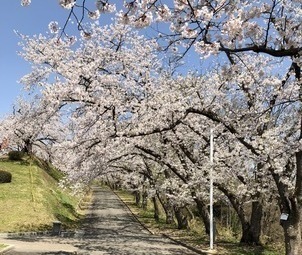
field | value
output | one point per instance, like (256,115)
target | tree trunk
(144,200)
(182,220)
(255,221)
(137,196)
(168,210)
(169,215)
(204,214)
(156,209)
(27,147)
(291,205)
(292,233)
(251,230)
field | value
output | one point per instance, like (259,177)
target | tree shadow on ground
(58,253)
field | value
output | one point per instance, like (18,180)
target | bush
(5,177)
(15,155)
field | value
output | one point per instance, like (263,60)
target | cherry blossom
(53,27)
(67,4)
(25,2)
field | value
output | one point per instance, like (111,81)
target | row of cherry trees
(110,107)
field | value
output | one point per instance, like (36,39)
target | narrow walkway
(109,228)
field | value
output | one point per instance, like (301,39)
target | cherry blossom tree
(256,111)
(189,141)
(97,86)
(261,110)
(30,128)
(254,95)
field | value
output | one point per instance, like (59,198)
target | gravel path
(109,228)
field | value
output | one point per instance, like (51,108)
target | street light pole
(211,190)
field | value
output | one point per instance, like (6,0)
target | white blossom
(25,2)
(53,27)
(67,4)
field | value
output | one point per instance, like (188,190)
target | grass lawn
(196,237)
(33,200)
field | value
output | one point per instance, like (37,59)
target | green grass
(2,246)
(33,200)
(196,236)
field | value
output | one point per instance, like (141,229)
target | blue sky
(27,20)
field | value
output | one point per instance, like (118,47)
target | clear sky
(30,20)
(27,20)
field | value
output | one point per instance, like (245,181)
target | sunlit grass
(33,200)
(2,246)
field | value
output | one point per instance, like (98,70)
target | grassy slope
(33,200)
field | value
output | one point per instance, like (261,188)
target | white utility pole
(211,190)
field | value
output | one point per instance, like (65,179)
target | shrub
(15,155)
(5,177)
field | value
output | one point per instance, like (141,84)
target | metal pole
(211,190)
